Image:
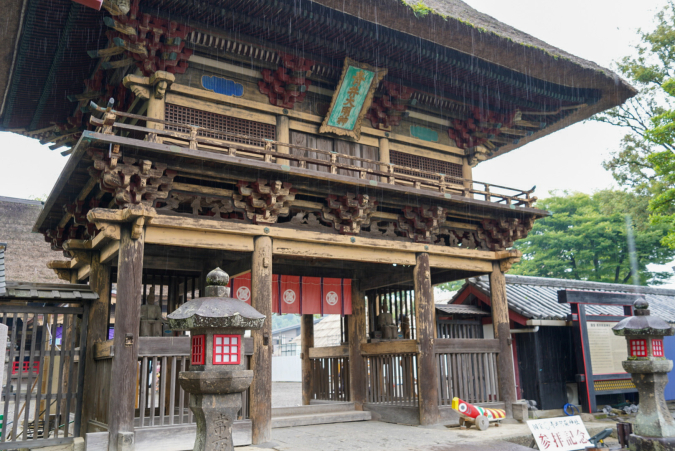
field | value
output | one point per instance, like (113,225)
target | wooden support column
(100,283)
(357,335)
(284,136)
(500,321)
(307,341)
(427,375)
(467,175)
(384,153)
(261,361)
(125,344)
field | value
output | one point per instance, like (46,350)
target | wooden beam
(357,337)
(97,332)
(328,352)
(109,251)
(199,239)
(125,344)
(465,345)
(239,267)
(261,362)
(315,250)
(390,347)
(307,346)
(502,331)
(427,375)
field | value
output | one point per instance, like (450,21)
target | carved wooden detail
(262,201)
(130,180)
(217,207)
(348,213)
(288,84)
(501,234)
(421,224)
(390,105)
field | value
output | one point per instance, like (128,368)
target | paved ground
(375,435)
(286,394)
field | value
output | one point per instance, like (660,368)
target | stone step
(313,409)
(322,418)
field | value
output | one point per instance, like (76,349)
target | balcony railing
(333,162)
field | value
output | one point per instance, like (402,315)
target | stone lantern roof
(643,323)
(217,309)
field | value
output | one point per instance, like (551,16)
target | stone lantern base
(639,443)
(650,378)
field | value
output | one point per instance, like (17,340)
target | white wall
(286,368)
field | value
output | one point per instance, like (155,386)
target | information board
(607,350)
(559,434)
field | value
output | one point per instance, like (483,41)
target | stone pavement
(375,435)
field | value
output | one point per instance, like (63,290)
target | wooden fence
(391,372)
(330,373)
(269,151)
(467,369)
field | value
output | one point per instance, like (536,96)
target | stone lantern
(654,426)
(217,373)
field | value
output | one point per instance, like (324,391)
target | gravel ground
(286,394)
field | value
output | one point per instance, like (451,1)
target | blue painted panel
(222,86)
(669,345)
(424,133)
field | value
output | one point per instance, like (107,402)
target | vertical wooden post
(467,175)
(125,344)
(427,375)
(261,361)
(357,335)
(307,342)
(384,153)
(160,82)
(99,280)
(284,136)
(500,321)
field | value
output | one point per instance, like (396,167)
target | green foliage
(451,286)
(420,9)
(585,238)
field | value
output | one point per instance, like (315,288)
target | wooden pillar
(467,175)
(99,280)
(125,344)
(160,82)
(307,342)
(500,321)
(357,335)
(284,136)
(427,375)
(384,153)
(261,361)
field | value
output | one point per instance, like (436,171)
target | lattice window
(213,121)
(657,348)
(452,171)
(638,348)
(198,350)
(226,350)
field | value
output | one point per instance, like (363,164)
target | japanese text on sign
(350,98)
(560,434)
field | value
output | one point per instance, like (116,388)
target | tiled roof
(48,292)
(2,269)
(537,297)
(459,309)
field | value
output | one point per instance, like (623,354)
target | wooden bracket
(505,265)
(348,213)
(421,224)
(263,201)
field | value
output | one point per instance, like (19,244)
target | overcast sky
(602,31)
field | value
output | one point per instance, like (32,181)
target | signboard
(560,434)
(607,350)
(352,98)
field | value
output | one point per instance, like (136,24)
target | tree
(645,162)
(586,238)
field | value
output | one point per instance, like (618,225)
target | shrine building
(318,151)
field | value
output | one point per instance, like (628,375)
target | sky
(571,159)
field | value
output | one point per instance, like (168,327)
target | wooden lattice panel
(617,384)
(220,122)
(451,170)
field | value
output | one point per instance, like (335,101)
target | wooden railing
(330,373)
(467,369)
(160,401)
(269,152)
(391,372)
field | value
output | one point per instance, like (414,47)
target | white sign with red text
(560,434)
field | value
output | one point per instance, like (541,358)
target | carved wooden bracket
(138,215)
(501,234)
(421,224)
(262,201)
(389,107)
(348,213)
(215,206)
(288,84)
(131,181)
